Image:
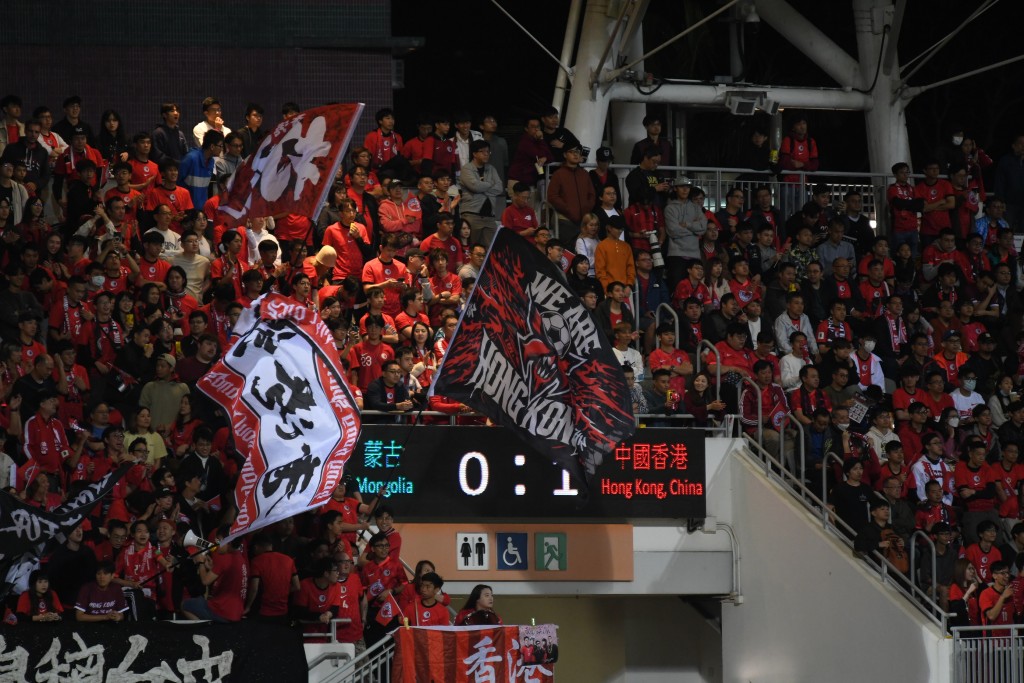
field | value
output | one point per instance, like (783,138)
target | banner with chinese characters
(292,414)
(470,654)
(157,652)
(481,472)
(294,167)
(528,355)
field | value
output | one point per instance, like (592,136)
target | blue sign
(512,550)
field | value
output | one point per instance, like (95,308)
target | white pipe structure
(864,85)
(562,80)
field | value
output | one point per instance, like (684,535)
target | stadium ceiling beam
(613,75)
(563,67)
(811,41)
(925,56)
(716,95)
(892,47)
(611,39)
(914,91)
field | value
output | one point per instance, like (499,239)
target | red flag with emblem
(294,167)
(464,654)
(389,610)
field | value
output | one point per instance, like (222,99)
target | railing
(980,659)
(332,636)
(704,343)
(716,183)
(672,313)
(452,419)
(760,414)
(923,535)
(782,444)
(371,665)
(887,572)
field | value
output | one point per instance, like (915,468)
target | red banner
(292,413)
(293,169)
(467,654)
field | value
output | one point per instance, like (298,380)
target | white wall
(811,611)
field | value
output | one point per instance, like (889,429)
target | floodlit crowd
(897,351)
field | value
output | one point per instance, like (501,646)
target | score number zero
(484,475)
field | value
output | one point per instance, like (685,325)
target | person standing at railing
(878,534)
(963,594)
(532,153)
(654,140)
(685,223)
(996,602)
(571,193)
(939,198)
(772,413)
(904,207)
(764,214)
(849,498)
(858,231)
(797,152)
(603,176)
(645,177)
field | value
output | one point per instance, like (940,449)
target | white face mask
(97,280)
(842,426)
(869,346)
(958,139)
(954,422)
(969,384)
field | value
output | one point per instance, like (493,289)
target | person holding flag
(384,578)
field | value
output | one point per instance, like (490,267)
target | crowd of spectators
(122,283)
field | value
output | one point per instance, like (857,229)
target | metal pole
(915,91)
(562,79)
(615,74)
(529,35)
(608,45)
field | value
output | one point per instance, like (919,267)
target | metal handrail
(824,495)
(812,503)
(913,556)
(333,624)
(671,312)
(782,443)
(426,413)
(718,360)
(760,410)
(378,655)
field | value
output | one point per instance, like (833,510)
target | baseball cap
(167,358)
(605,154)
(78,130)
(681,181)
(952,334)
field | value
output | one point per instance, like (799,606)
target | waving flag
(466,654)
(293,169)
(25,530)
(388,611)
(528,355)
(292,414)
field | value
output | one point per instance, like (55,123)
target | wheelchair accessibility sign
(512,550)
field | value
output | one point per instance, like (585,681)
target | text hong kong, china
(662,458)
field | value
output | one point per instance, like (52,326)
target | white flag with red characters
(292,413)
(293,169)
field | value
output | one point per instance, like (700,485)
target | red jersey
(376,272)
(888,266)
(350,593)
(744,358)
(143,172)
(66,318)
(178,199)
(445,155)
(988,599)
(350,257)
(227,597)
(902,220)
(417,149)
(137,565)
(829,331)
(978,480)
(381,577)
(927,515)
(275,572)
(349,509)
(435,615)
(26,599)
(873,296)
(982,560)
(519,219)
(669,359)
(804,150)
(957,593)
(312,598)
(45,443)
(450,246)
(901,400)
(934,221)
(29,353)
(133,199)
(366,359)
(745,292)
(686,289)
(151,271)
(221,265)
(383,146)
(68,161)
(951,366)
(1007,480)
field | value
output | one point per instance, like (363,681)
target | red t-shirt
(350,591)
(988,599)
(178,199)
(366,359)
(983,561)
(131,209)
(228,595)
(151,271)
(26,599)
(435,615)
(903,220)
(376,272)
(1008,480)
(380,577)
(143,171)
(965,477)
(349,509)
(450,246)
(519,219)
(314,599)
(661,359)
(275,572)
(934,221)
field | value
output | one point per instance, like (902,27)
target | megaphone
(193,541)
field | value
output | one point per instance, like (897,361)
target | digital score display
(445,472)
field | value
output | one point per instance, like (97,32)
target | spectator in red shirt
(228,572)
(996,602)
(427,609)
(938,197)
(272,579)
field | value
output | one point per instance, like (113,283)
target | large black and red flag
(294,167)
(528,355)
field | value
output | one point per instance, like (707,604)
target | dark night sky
(475,59)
